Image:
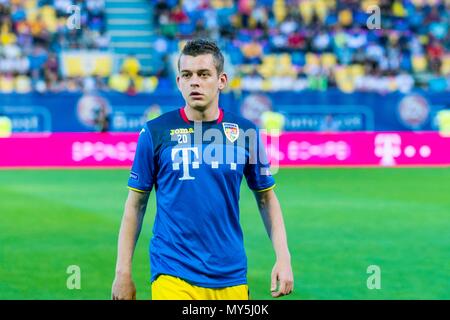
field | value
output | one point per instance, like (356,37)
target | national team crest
(231,131)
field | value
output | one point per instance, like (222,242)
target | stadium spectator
(131,66)
(102,119)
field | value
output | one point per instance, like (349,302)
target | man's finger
(273,285)
(289,288)
(281,291)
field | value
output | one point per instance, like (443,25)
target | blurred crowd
(317,44)
(34,32)
(271,45)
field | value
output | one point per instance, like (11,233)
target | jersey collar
(185,118)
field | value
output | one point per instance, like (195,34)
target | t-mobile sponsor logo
(388,147)
(100,151)
(181,160)
(185,161)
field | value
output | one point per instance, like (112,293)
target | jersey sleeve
(142,172)
(257,169)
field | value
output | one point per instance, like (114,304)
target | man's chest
(183,153)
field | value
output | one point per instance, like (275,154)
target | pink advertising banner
(110,150)
(68,150)
(359,149)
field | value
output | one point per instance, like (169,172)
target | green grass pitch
(339,222)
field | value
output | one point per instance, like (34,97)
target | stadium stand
(271,45)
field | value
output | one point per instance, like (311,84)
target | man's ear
(178,82)
(223,81)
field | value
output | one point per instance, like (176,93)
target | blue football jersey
(196,169)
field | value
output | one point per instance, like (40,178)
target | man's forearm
(129,233)
(270,210)
(281,276)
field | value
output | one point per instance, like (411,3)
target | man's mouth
(196,95)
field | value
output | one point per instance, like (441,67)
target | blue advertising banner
(337,111)
(330,110)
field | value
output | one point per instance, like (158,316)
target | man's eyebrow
(200,70)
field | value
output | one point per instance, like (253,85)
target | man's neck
(209,114)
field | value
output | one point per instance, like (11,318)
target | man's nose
(194,81)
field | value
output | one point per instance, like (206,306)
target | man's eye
(185,75)
(204,75)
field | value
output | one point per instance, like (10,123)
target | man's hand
(283,277)
(123,288)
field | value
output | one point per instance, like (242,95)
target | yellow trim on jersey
(267,189)
(167,287)
(137,190)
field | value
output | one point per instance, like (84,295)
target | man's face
(199,82)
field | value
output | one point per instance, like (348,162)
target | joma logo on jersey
(181,131)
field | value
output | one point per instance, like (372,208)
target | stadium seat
(279,9)
(73,66)
(6,84)
(268,65)
(298,58)
(445,67)
(22,84)
(328,60)
(406,63)
(306,10)
(236,83)
(345,17)
(437,84)
(284,66)
(321,9)
(236,56)
(48,15)
(149,84)
(344,79)
(6,36)
(119,82)
(186,29)
(312,63)
(419,63)
(103,66)
(356,70)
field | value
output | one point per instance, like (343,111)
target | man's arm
(123,285)
(270,210)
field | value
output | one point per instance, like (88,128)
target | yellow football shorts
(167,287)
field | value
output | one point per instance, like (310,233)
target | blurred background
(358,90)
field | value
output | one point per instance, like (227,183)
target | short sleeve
(142,171)
(257,169)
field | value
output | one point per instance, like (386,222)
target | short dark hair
(202,46)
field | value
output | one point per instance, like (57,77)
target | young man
(197,249)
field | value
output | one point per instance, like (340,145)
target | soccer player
(197,250)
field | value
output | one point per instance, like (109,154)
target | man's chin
(198,105)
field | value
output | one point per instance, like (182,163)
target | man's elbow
(137,201)
(264,198)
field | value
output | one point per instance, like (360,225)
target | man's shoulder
(163,120)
